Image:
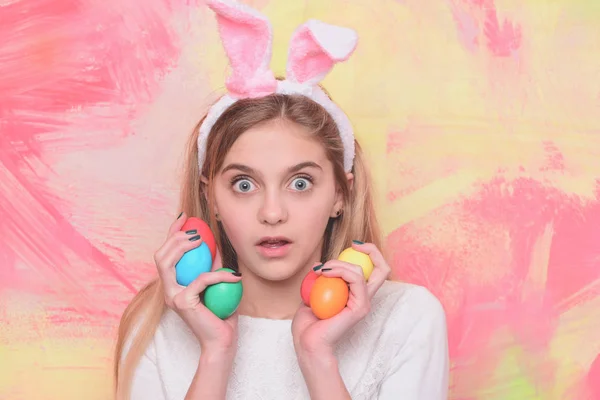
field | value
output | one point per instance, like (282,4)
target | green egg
(223,298)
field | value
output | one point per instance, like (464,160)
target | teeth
(274,243)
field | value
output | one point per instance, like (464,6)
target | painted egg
(357,258)
(223,298)
(328,296)
(204,232)
(193,263)
(306,287)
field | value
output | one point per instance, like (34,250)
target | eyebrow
(295,168)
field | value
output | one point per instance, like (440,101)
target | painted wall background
(480,117)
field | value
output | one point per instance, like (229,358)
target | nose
(272,210)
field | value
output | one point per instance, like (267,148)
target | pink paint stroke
(467,25)
(59,58)
(503,39)
(477,311)
(594,378)
(477,20)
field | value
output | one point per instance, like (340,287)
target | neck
(270,299)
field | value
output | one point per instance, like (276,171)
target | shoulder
(403,305)
(400,346)
(414,343)
(404,297)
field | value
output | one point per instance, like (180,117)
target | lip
(274,239)
(274,252)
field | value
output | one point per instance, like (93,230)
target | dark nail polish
(179,216)
(236,273)
(318,267)
(192,232)
(194,238)
(358,242)
(326,269)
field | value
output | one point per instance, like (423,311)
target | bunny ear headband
(314,48)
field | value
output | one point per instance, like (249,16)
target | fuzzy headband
(314,48)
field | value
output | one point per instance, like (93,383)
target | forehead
(274,144)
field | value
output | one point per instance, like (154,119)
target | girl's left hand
(315,336)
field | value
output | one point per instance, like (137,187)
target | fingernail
(193,239)
(236,273)
(179,216)
(192,232)
(358,242)
(325,269)
(318,267)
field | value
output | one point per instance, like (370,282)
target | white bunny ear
(247,38)
(315,47)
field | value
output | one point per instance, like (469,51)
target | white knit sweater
(399,351)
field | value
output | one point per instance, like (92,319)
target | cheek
(231,215)
(312,215)
(233,231)
(235,218)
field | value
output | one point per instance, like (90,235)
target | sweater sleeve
(420,368)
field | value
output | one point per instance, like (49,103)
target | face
(275,194)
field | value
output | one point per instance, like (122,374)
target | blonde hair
(357,221)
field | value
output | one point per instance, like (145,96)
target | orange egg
(328,296)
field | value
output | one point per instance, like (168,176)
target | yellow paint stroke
(56,368)
(422,201)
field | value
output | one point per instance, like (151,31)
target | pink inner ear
(246,37)
(306,58)
(314,49)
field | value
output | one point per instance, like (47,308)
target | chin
(276,275)
(276,270)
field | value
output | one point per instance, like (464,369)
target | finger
(177,224)
(381,270)
(175,247)
(206,279)
(355,280)
(166,259)
(345,265)
(374,284)
(348,274)
(358,305)
(374,254)
(189,297)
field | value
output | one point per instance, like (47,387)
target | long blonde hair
(357,221)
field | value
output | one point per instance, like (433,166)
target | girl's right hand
(216,336)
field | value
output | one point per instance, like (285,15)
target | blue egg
(192,264)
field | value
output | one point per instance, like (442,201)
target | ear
(338,205)
(246,35)
(204,185)
(315,48)
(350,177)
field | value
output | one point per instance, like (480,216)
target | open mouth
(274,247)
(274,243)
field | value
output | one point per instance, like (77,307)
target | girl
(275,170)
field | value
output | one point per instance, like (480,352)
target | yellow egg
(356,257)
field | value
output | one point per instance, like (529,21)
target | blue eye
(242,186)
(301,184)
